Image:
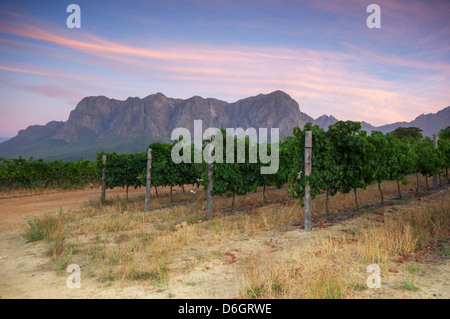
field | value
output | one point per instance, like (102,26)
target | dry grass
(119,241)
(335,266)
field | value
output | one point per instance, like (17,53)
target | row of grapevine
(231,179)
(122,170)
(345,159)
(32,173)
(129,170)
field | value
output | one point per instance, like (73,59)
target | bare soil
(27,272)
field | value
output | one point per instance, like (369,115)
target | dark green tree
(412,132)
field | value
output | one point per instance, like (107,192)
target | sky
(321,53)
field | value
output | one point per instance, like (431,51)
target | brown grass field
(256,252)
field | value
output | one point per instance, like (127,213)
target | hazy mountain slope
(429,123)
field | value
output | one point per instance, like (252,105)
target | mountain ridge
(100,123)
(430,123)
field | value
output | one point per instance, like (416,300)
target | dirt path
(27,272)
(14,211)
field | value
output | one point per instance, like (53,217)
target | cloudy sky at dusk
(319,52)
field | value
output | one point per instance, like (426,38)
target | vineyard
(250,246)
(31,174)
(344,159)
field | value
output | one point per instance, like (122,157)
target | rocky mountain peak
(100,123)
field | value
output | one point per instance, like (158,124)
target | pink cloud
(324,81)
(49,91)
(5,68)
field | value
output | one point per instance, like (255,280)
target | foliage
(344,158)
(412,132)
(444,134)
(122,170)
(234,178)
(32,173)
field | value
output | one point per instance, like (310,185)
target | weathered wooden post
(104,179)
(308,160)
(208,191)
(148,180)
(209,187)
(435,145)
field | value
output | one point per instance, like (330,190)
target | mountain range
(429,123)
(100,123)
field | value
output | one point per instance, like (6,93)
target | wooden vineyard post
(149,180)
(435,145)
(208,192)
(104,179)
(308,160)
